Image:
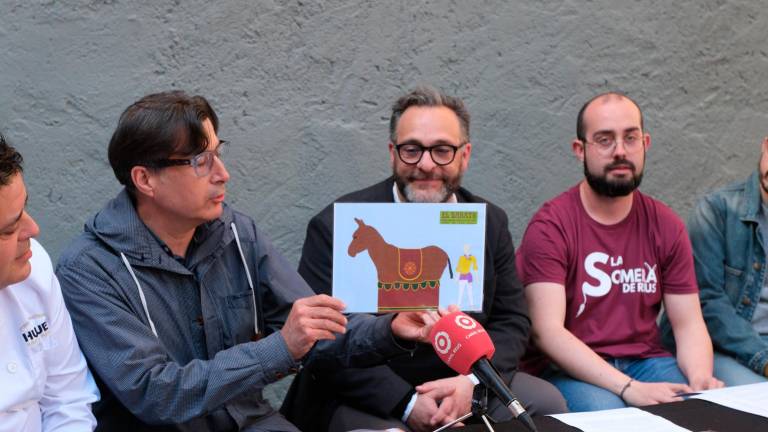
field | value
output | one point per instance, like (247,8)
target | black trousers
(539,397)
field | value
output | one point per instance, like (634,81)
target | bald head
(603,98)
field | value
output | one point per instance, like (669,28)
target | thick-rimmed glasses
(441,154)
(202,162)
(606,143)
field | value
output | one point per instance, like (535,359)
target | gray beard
(413,195)
(417,196)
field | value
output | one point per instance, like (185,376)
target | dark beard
(615,188)
(450,186)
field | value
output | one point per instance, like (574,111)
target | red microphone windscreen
(460,341)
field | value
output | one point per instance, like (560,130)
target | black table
(693,414)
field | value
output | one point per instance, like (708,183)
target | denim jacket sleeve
(721,287)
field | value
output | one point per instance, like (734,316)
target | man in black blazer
(429,151)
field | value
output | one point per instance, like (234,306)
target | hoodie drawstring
(141,293)
(248,275)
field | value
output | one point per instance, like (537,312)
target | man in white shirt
(45,383)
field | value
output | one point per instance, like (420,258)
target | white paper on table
(619,420)
(751,398)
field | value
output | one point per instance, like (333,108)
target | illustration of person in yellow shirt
(467,263)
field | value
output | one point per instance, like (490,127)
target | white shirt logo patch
(631,280)
(34,332)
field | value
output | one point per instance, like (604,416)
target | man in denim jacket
(727,230)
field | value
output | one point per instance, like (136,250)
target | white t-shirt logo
(633,280)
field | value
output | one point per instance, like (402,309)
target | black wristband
(626,386)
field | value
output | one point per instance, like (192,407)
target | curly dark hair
(425,96)
(10,162)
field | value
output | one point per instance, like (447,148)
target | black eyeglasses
(202,162)
(441,154)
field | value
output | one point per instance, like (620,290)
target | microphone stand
(479,409)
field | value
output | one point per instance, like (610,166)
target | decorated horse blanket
(410,292)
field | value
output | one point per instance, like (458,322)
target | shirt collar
(752,202)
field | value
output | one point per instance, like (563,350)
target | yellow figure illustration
(467,263)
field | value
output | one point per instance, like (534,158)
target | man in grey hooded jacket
(184,309)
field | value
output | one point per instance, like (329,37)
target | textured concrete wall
(303,89)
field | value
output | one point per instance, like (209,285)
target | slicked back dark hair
(157,126)
(10,162)
(581,128)
(426,96)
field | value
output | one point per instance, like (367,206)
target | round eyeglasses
(202,162)
(441,154)
(606,143)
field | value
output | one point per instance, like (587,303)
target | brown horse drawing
(409,279)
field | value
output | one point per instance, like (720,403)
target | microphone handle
(489,376)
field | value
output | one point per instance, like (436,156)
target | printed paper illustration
(398,257)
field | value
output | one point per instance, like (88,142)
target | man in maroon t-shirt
(598,261)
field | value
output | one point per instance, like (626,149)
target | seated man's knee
(538,396)
(346,418)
